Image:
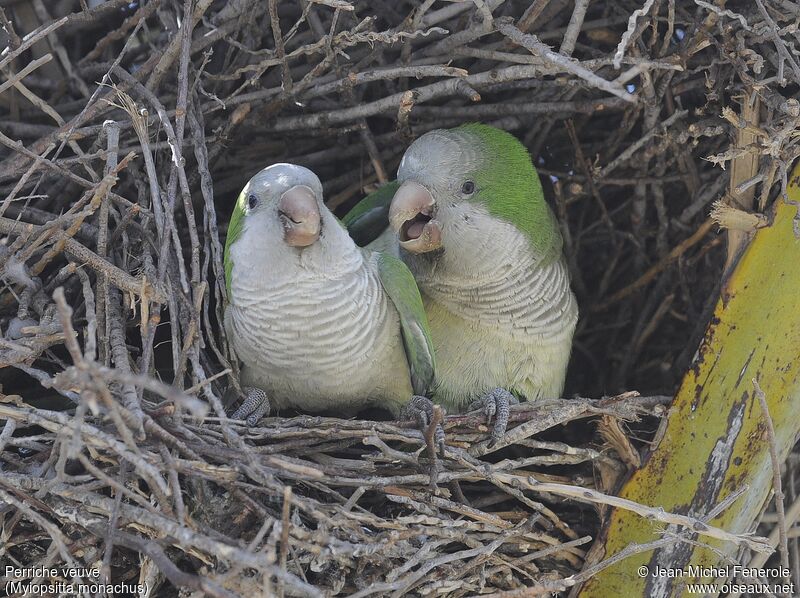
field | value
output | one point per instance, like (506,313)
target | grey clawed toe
(497,402)
(421,410)
(254,407)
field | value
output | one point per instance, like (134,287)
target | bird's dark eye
(252,201)
(468,188)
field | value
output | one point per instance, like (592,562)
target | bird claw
(255,406)
(421,410)
(496,402)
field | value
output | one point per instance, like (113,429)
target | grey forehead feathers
(437,155)
(278,178)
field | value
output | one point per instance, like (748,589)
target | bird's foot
(255,406)
(423,411)
(496,402)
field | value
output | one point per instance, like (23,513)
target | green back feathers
(370,217)
(382,196)
(399,284)
(508,185)
(234,232)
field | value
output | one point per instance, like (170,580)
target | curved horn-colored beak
(299,213)
(411,215)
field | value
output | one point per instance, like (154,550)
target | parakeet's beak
(299,214)
(411,215)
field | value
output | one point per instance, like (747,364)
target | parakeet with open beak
(318,323)
(472,224)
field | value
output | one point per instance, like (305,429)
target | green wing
(399,284)
(370,217)
(234,231)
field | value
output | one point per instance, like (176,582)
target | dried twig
(777,486)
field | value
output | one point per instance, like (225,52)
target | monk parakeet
(470,220)
(319,323)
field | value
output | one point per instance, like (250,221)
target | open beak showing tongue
(412,229)
(411,215)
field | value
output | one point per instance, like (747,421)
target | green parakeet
(470,220)
(318,323)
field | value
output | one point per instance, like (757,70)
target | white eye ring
(468,188)
(252,201)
